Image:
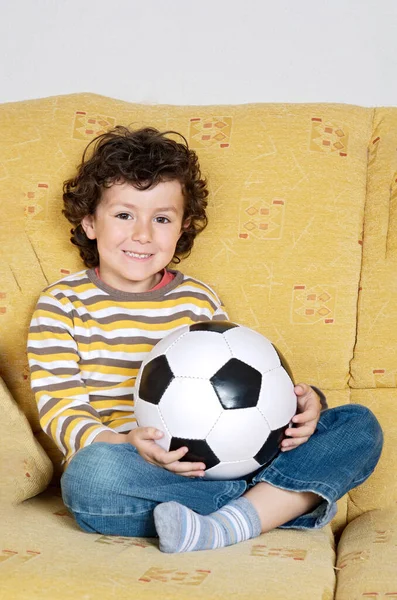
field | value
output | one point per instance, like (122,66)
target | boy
(136,204)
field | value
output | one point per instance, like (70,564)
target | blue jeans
(110,489)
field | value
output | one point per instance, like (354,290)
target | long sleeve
(62,399)
(323,399)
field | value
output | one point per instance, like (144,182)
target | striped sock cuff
(249,512)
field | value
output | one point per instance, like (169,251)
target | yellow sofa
(302,246)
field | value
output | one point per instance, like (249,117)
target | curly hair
(143,158)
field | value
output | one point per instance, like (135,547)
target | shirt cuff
(323,399)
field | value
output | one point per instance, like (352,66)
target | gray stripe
(73,298)
(47,328)
(98,398)
(110,362)
(80,435)
(50,308)
(220,317)
(54,401)
(48,406)
(189,294)
(70,282)
(109,412)
(50,351)
(105,384)
(55,387)
(90,339)
(151,320)
(58,371)
(67,422)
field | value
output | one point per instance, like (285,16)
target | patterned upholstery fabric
(25,469)
(301,246)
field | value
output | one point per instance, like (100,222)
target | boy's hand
(306,419)
(143,438)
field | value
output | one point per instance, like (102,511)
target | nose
(142,231)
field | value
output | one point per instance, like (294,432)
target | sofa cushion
(380,489)
(25,469)
(366,565)
(43,555)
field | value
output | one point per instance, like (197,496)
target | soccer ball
(221,389)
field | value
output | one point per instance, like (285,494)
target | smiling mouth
(137,255)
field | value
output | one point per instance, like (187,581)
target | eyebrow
(159,209)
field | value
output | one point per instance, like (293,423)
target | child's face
(136,233)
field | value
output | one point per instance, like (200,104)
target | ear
(185,225)
(88,224)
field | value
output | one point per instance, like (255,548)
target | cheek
(113,235)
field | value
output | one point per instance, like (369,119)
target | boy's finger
(300,432)
(305,417)
(293,444)
(187,469)
(167,458)
(193,474)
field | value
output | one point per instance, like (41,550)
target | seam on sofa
(372,123)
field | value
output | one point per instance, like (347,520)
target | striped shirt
(86,344)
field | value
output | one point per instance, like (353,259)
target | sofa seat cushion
(367,557)
(44,555)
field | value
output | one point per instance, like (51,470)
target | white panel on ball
(277,399)
(229,439)
(148,415)
(190,408)
(251,347)
(162,346)
(210,354)
(232,470)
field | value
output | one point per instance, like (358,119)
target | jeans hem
(320,516)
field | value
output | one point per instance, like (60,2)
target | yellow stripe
(79,288)
(37,375)
(48,314)
(100,405)
(118,422)
(108,369)
(51,357)
(87,433)
(61,404)
(49,335)
(110,348)
(124,324)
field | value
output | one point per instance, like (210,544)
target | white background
(201,51)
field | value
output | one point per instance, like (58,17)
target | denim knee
(369,438)
(98,488)
(92,478)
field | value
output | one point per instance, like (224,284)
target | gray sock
(182,530)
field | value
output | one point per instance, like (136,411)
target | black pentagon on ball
(271,447)
(213,326)
(237,385)
(199,451)
(156,377)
